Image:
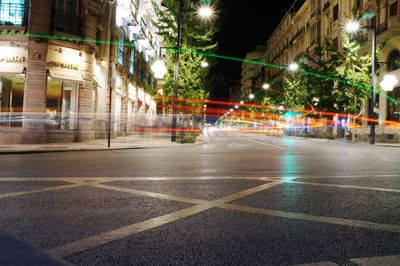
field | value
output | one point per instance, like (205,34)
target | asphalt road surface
(239,199)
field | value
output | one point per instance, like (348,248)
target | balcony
(13,14)
(67,23)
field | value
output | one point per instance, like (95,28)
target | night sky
(244,25)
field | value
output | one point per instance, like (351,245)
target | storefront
(62,91)
(12,83)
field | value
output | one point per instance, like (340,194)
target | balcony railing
(67,22)
(13,14)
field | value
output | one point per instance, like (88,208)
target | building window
(132,62)
(13,12)
(358,4)
(68,16)
(335,13)
(121,44)
(394,60)
(11,100)
(393,112)
(393,9)
(335,43)
(61,104)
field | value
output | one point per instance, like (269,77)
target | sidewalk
(345,141)
(121,143)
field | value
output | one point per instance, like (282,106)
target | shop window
(121,44)
(68,16)
(394,60)
(61,104)
(11,100)
(132,62)
(13,12)
(393,9)
(393,112)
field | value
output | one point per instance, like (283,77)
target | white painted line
(151,194)
(322,263)
(111,179)
(378,261)
(95,241)
(314,218)
(104,238)
(263,143)
(346,186)
(21,193)
(349,176)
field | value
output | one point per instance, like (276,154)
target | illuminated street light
(241,102)
(236,106)
(204,64)
(159,69)
(388,82)
(352,26)
(251,96)
(266,86)
(205,12)
(231,110)
(293,67)
(205,106)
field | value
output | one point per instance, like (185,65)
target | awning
(11,68)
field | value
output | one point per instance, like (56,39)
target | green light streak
(64,38)
(230,58)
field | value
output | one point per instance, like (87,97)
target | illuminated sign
(12,59)
(62,65)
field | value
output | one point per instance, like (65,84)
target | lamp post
(352,27)
(204,12)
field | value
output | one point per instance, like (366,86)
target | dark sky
(244,25)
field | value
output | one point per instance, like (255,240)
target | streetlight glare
(251,96)
(266,86)
(241,102)
(293,67)
(205,12)
(388,82)
(352,26)
(204,64)
(159,69)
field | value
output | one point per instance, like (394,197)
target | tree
(197,39)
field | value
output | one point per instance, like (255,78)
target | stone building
(59,61)
(309,22)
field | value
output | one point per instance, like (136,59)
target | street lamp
(205,12)
(251,96)
(159,69)
(204,64)
(241,102)
(389,82)
(353,27)
(293,67)
(266,86)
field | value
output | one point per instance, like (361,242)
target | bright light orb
(204,64)
(251,96)
(266,86)
(205,12)
(159,69)
(352,26)
(389,82)
(293,67)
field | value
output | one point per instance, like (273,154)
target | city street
(239,199)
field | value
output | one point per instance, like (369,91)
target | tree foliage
(197,38)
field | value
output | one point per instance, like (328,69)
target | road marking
(315,218)
(322,263)
(376,261)
(348,176)
(345,186)
(111,179)
(20,193)
(150,194)
(238,145)
(104,238)
(263,143)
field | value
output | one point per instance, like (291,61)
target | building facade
(310,22)
(61,60)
